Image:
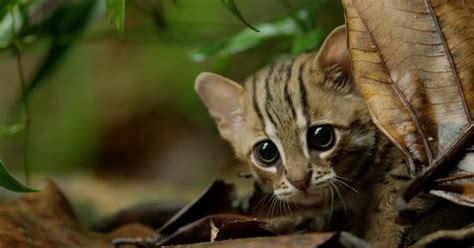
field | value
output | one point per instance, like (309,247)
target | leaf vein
(404,101)
(449,57)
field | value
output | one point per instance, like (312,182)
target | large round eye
(266,152)
(321,137)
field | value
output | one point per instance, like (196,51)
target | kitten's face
(299,124)
(302,137)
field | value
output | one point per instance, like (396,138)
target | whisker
(270,207)
(261,203)
(349,180)
(279,207)
(346,185)
(296,206)
(342,188)
(283,204)
(340,197)
(273,204)
(325,197)
(332,201)
(283,207)
(293,206)
(290,206)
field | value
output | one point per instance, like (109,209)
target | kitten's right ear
(223,99)
(333,58)
(334,52)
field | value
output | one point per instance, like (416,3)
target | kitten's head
(300,124)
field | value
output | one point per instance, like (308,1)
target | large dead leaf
(217,227)
(216,198)
(46,219)
(413,61)
(463,237)
(459,189)
(153,214)
(289,241)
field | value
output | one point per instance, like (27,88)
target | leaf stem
(27,113)
(26,118)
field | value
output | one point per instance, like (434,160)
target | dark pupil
(321,137)
(267,152)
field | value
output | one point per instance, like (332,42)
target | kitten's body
(283,106)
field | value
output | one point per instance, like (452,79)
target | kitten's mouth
(304,198)
(315,195)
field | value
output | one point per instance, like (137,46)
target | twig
(26,106)
(26,119)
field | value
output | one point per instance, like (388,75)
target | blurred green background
(114,116)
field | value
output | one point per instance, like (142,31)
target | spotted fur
(281,102)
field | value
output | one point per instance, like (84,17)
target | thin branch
(27,114)
(26,106)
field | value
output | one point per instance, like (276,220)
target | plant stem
(16,45)
(26,106)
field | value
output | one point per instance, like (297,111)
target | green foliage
(307,41)
(296,29)
(12,20)
(63,26)
(116,13)
(58,25)
(11,130)
(230,5)
(8,182)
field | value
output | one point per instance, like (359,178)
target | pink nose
(302,184)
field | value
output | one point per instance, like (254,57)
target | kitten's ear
(333,58)
(223,99)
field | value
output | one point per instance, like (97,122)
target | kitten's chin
(305,199)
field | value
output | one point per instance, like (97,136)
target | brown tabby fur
(362,172)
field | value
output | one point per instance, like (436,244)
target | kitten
(307,136)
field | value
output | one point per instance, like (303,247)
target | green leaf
(65,25)
(295,29)
(230,5)
(11,130)
(222,64)
(116,13)
(10,183)
(203,53)
(308,41)
(247,39)
(11,22)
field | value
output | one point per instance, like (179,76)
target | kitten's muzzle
(302,184)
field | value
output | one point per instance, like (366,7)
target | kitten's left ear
(333,58)
(223,99)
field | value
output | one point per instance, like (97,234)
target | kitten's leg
(381,229)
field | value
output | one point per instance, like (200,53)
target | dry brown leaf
(459,189)
(216,198)
(43,219)
(224,226)
(287,241)
(153,214)
(241,229)
(46,219)
(413,61)
(463,237)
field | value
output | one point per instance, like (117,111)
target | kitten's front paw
(309,221)
(296,223)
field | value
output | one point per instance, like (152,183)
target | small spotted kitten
(307,136)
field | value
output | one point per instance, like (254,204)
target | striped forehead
(279,99)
